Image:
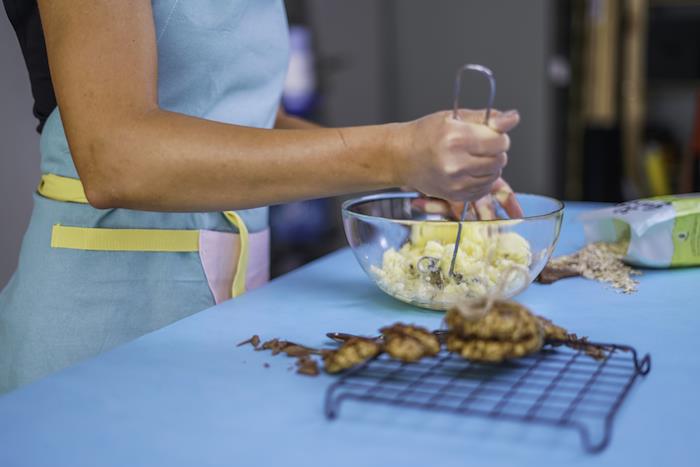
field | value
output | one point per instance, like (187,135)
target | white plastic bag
(658,232)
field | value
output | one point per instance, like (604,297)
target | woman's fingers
(485,209)
(486,166)
(501,122)
(456,208)
(505,121)
(489,143)
(506,198)
(476,139)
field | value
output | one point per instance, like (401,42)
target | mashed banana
(419,271)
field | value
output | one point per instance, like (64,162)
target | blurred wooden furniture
(632,102)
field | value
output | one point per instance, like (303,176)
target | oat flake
(601,262)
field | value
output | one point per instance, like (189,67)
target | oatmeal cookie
(506,320)
(409,343)
(352,353)
(492,350)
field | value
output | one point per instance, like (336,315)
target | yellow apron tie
(70,190)
(238,285)
(82,238)
(60,188)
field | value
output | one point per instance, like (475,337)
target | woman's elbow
(99,198)
(98,177)
(111,164)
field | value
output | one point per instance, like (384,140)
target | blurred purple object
(299,96)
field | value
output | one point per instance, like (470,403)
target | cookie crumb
(254,341)
(307,366)
(292,349)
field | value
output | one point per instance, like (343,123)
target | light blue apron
(223,60)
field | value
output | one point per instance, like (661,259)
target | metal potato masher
(428,264)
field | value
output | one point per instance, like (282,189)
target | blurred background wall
(19,149)
(607,91)
(396,60)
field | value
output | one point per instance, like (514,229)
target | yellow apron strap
(238,286)
(100,239)
(70,190)
(60,188)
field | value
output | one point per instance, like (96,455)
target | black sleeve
(24,16)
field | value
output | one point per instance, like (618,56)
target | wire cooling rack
(558,386)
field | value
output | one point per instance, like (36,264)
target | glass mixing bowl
(407,250)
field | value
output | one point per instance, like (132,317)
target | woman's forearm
(284,121)
(166,161)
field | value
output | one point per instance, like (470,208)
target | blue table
(187,396)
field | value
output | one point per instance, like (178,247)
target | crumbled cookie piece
(595,351)
(352,353)
(552,331)
(307,366)
(556,336)
(290,348)
(254,341)
(296,350)
(273,344)
(409,343)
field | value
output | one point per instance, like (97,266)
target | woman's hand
(456,160)
(485,208)
(481,209)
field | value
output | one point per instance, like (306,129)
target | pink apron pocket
(219,251)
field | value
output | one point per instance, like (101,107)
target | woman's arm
(284,121)
(130,153)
